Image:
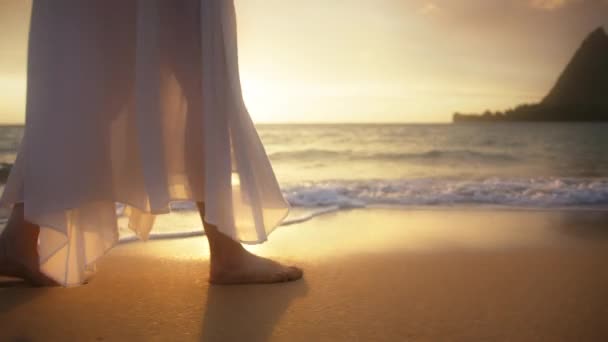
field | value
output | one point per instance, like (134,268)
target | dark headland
(580,93)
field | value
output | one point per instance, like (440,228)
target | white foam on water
(540,192)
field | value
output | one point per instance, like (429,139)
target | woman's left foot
(249,268)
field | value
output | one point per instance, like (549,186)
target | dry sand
(370,275)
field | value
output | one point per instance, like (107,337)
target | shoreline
(299,215)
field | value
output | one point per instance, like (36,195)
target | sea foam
(539,192)
(546,192)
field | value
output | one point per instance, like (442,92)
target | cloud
(429,8)
(549,5)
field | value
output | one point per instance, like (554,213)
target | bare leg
(19,250)
(233,264)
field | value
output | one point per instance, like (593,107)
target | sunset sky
(374,60)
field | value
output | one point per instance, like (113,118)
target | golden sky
(374,60)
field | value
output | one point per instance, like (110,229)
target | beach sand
(370,275)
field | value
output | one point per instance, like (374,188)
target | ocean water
(523,165)
(328,167)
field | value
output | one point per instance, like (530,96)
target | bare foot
(233,264)
(19,255)
(252,269)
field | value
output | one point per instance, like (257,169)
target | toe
(282,275)
(295,273)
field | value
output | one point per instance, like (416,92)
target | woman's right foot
(19,254)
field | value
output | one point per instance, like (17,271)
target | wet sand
(370,275)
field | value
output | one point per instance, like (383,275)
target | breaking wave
(539,192)
(545,192)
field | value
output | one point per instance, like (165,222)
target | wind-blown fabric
(140,103)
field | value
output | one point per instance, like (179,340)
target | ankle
(3,251)
(19,241)
(226,259)
(8,266)
(6,245)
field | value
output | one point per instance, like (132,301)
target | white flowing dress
(136,102)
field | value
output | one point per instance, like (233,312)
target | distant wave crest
(431,155)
